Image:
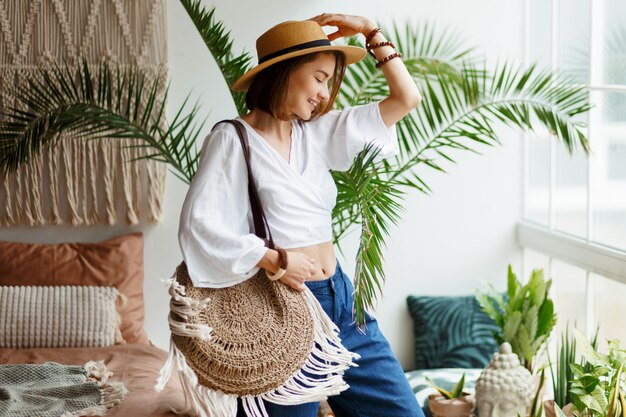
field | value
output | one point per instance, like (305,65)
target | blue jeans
(378,386)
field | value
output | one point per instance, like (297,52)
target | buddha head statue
(504,388)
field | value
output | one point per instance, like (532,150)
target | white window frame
(581,252)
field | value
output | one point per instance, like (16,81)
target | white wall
(447,243)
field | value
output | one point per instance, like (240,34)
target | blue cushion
(451,332)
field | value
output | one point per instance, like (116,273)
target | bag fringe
(186,307)
(325,365)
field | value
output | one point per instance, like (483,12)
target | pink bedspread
(137,366)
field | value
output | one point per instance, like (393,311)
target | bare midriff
(325,259)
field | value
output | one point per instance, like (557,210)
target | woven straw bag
(257,340)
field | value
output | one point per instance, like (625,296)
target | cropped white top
(216,230)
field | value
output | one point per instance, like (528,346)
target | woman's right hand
(300,268)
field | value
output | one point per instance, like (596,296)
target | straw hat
(290,39)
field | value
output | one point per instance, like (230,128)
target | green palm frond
(220,44)
(430,54)
(462,102)
(377,207)
(453,119)
(425,52)
(115,103)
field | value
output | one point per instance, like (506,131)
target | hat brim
(353,54)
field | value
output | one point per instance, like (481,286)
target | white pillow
(58,316)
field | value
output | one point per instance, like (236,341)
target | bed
(117,263)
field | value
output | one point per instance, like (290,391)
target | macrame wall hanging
(78,181)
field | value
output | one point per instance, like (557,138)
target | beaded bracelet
(378,45)
(387,59)
(370,35)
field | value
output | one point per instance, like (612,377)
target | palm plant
(462,102)
(525,318)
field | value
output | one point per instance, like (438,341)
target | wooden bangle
(282,256)
(275,277)
(282,259)
(370,35)
(387,59)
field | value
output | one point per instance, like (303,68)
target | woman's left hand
(346,24)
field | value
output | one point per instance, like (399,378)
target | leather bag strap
(260,221)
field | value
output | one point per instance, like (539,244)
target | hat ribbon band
(306,45)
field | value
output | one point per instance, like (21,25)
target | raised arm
(404,95)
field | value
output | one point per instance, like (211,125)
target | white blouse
(216,229)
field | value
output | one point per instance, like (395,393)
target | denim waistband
(328,282)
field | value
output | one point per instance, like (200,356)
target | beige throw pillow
(115,262)
(58,316)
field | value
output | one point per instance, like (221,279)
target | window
(574,222)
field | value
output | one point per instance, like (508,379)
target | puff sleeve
(215,223)
(342,134)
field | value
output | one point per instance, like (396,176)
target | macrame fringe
(53,169)
(94,215)
(19,203)
(97,371)
(69,174)
(69,189)
(111,393)
(327,362)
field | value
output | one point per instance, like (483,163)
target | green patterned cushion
(451,332)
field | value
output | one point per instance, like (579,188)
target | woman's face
(308,86)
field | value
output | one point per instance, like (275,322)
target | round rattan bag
(257,340)
(262,332)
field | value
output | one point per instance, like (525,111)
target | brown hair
(269,87)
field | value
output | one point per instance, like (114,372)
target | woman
(294,141)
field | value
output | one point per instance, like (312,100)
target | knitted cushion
(115,262)
(65,316)
(451,332)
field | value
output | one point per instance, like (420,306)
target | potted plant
(454,403)
(526,316)
(599,388)
(563,375)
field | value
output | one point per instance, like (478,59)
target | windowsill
(590,256)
